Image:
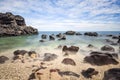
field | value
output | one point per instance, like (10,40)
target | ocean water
(32,41)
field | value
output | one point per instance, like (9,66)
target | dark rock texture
(3,59)
(99,58)
(70,33)
(89,72)
(43,36)
(112,74)
(107,48)
(91,34)
(14,25)
(69,61)
(49,57)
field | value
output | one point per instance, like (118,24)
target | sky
(62,15)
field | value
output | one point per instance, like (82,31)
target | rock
(62,38)
(20,52)
(107,48)
(108,40)
(91,34)
(68,73)
(42,40)
(89,72)
(14,25)
(3,59)
(110,35)
(112,74)
(51,37)
(43,36)
(73,49)
(70,33)
(60,47)
(115,37)
(69,61)
(32,54)
(118,40)
(59,35)
(78,33)
(90,46)
(99,58)
(49,57)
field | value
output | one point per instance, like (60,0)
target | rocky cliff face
(14,25)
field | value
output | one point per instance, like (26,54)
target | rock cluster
(14,25)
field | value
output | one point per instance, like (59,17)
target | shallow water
(32,41)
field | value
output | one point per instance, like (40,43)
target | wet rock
(32,76)
(110,35)
(89,72)
(62,38)
(14,25)
(20,52)
(32,54)
(107,48)
(99,58)
(42,40)
(112,74)
(73,49)
(70,33)
(3,59)
(78,33)
(69,61)
(91,34)
(51,37)
(68,73)
(49,57)
(59,35)
(43,36)
(90,46)
(115,37)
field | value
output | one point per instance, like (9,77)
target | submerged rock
(3,59)
(99,58)
(42,40)
(89,72)
(69,61)
(112,74)
(78,33)
(62,38)
(49,57)
(107,48)
(90,46)
(70,33)
(14,25)
(51,37)
(43,36)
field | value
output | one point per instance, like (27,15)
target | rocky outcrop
(62,38)
(32,54)
(107,48)
(49,57)
(3,59)
(91,34)
(51,37)
(89,72)
(78,33)
(69,61)
(14,25)
(115,37)
(70,33)
(112,74)
(99,58)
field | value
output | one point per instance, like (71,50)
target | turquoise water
(7,43)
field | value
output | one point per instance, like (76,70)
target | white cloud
(66,14)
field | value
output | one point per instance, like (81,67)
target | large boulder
(3,59)
(70,33)
(14,25)
(112,74)
(69,61)
(99,58)
(89,72)
(107,48)
(51,37)
(91,34)
(49,57)
(72,49)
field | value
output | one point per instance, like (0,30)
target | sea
(32,41)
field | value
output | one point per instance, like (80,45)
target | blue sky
(62,15)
